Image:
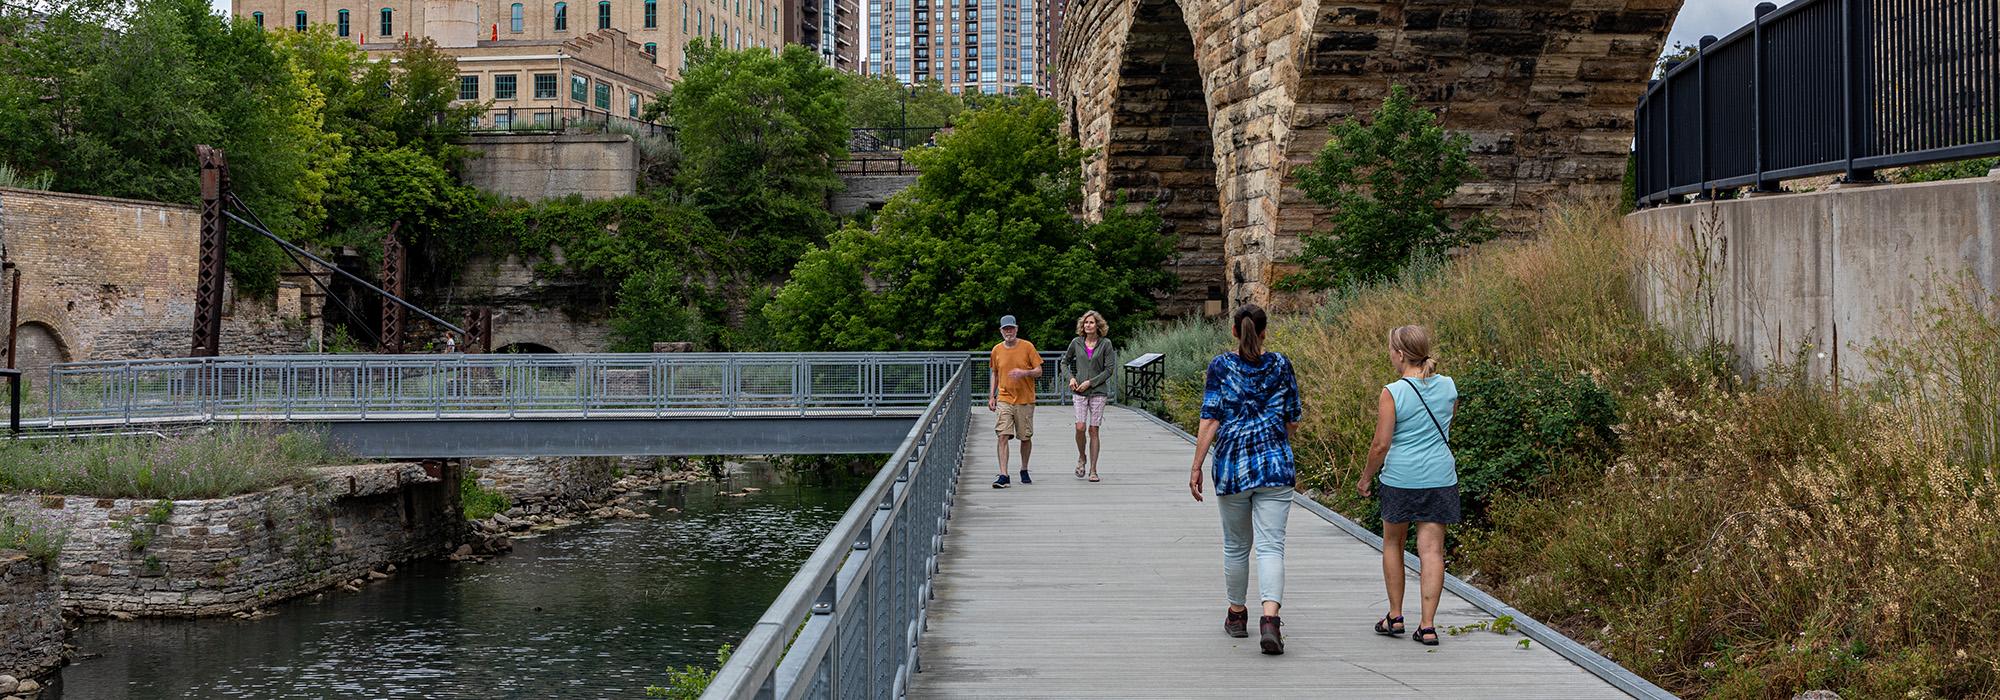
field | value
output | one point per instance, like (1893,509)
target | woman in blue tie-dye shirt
(1248,413)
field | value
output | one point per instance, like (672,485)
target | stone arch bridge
(1206,107)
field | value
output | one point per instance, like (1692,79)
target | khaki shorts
(1017,420)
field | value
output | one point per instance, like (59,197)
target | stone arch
(525,348)
(1545,91)
(37,346)
(1161,148)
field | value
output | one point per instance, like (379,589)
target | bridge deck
(1066,588)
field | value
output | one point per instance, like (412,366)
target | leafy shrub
(40,539)
(689,682)
(1955,170)
(478,502)
(1385,182)
(1517,424)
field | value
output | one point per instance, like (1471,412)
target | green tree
(883,101)
(654,306)
(985,231)
(111,99)
(1386,182)
(759,134)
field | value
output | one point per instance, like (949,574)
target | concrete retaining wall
(553,166)
(868,191)
(1820,276)
(30,617)
(219,556)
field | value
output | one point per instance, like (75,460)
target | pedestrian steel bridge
(935,586)
(455,405)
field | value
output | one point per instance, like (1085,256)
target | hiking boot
(1236,623)
(1267,630)
(1024,476)
(1001,482)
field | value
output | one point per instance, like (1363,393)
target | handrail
(850,621)
(110,394)
(1820,87)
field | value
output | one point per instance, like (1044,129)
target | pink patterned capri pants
(1089,409)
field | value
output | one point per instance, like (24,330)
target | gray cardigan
(1096,367)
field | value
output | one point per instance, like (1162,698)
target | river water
(597,610)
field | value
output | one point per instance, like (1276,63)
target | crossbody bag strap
(1427,411)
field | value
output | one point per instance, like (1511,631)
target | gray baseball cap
(1008,320)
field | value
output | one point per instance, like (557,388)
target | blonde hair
(1103,326)
(1414,342)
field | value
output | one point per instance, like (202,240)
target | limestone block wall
(1821,276)
(106,279)
(30,617)
(553,166)
(533,312)
(543,485)
(219,556)
(1544,90)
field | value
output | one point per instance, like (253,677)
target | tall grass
(1748,538)
(224,462)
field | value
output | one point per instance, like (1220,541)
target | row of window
(518,15)
(582,90)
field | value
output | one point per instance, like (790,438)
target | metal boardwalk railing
(849,623)
(122,393)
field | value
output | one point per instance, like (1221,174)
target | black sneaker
(1236,623)
(1001,482)
(1024,476)
(1267,629)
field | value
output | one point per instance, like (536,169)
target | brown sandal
(1093,477)
(1079,468)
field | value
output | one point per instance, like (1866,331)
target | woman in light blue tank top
(1412,452)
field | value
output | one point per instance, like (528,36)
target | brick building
(544,58)
(828,27)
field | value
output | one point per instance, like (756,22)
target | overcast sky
(1697,17)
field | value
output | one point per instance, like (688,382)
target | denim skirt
(1432,505)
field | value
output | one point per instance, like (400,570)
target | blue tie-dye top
(1253,401)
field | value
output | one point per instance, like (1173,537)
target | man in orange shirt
(1015,364)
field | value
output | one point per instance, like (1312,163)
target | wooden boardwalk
(1066,588)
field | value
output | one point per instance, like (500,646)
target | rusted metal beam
(211,260)
(392,281)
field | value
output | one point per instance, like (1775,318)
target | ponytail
(1250,323)
(1414,343)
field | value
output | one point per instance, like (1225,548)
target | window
(603,14)
(562,16)
(299,21)
(632,105)
(652,14)
(545,86)
(388,22)
(341,23)
(259,16)
(503,87)
(579,89)
(603,95)
(516,18)
(468,87)
(653,50)
(503,120)
(684,17)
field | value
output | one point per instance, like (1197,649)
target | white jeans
(1258,516)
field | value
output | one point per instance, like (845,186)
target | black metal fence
(890,138)
(563,119)
(1821,87)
